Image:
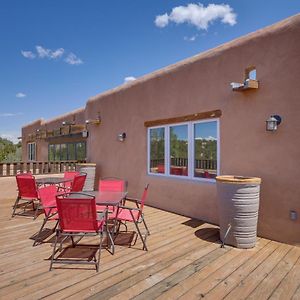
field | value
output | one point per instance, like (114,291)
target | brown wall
(201,84)
(41,144)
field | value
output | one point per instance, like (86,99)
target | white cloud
(129,79)
(72,59)
(20,95)
(48,53)
(207,138)
(42,52)
(198,15)
(191,38)
(162,20)
(10,114)
(28,54)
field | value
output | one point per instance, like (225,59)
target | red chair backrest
(143,199)
(48,197)
(27,186)
(78,183)
(77,212)
(71,174)
(112,185)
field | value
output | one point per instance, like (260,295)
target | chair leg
(15,207)
(99,254)
(141,236)
(144,222)
(54,250)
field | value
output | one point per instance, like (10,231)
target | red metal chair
(111,184)
(135,215)
(77,184)
(77,218)
(70,175)
(27,194)
(48,201)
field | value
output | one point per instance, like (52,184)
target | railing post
(15,168)
(34,168)
(1,170)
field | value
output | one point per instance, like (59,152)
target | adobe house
(177,128)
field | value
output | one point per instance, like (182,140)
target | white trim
(30,152)
(191,150)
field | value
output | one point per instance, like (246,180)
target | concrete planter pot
(238,202)
(90,170)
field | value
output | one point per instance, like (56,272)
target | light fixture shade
(122,137)
(273,122)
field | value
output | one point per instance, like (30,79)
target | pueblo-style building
(179,127)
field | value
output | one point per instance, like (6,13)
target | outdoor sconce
(67,123)
(273,122)
(95,121)
(122,137)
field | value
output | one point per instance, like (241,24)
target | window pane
(205,135)
(80,151)
(179,150)
(157,150)
(33,151)
(63,152)
(51,153)
(71,152)
(57,152)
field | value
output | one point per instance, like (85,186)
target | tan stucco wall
(201,84)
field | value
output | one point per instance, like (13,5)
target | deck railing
(37,167)
(207,164)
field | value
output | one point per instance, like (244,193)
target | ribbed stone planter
(90,170)
(238,202)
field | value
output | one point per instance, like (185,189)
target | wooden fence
(37,167)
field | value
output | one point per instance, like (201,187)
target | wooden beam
(198,116)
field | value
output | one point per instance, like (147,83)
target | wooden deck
(184,261)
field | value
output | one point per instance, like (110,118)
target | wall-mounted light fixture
(96,121)
(273,122)
(122,137)
(68,123)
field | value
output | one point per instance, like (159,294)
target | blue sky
(56,54)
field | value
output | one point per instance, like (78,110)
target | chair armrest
(133,199)
(129,208)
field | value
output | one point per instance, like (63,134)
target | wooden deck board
(184,260)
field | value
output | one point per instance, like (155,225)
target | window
(67,151)
(31,151)
(187,150)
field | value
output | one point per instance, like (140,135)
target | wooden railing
(207,164)
(37,167)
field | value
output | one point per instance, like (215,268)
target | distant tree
(10,152)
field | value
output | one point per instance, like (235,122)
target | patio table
(109,199)
(52,180)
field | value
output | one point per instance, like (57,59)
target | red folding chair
(111,184)
(77,218)
(27,194)
(48,202)
(70,175)
(78,182)
(135,215)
